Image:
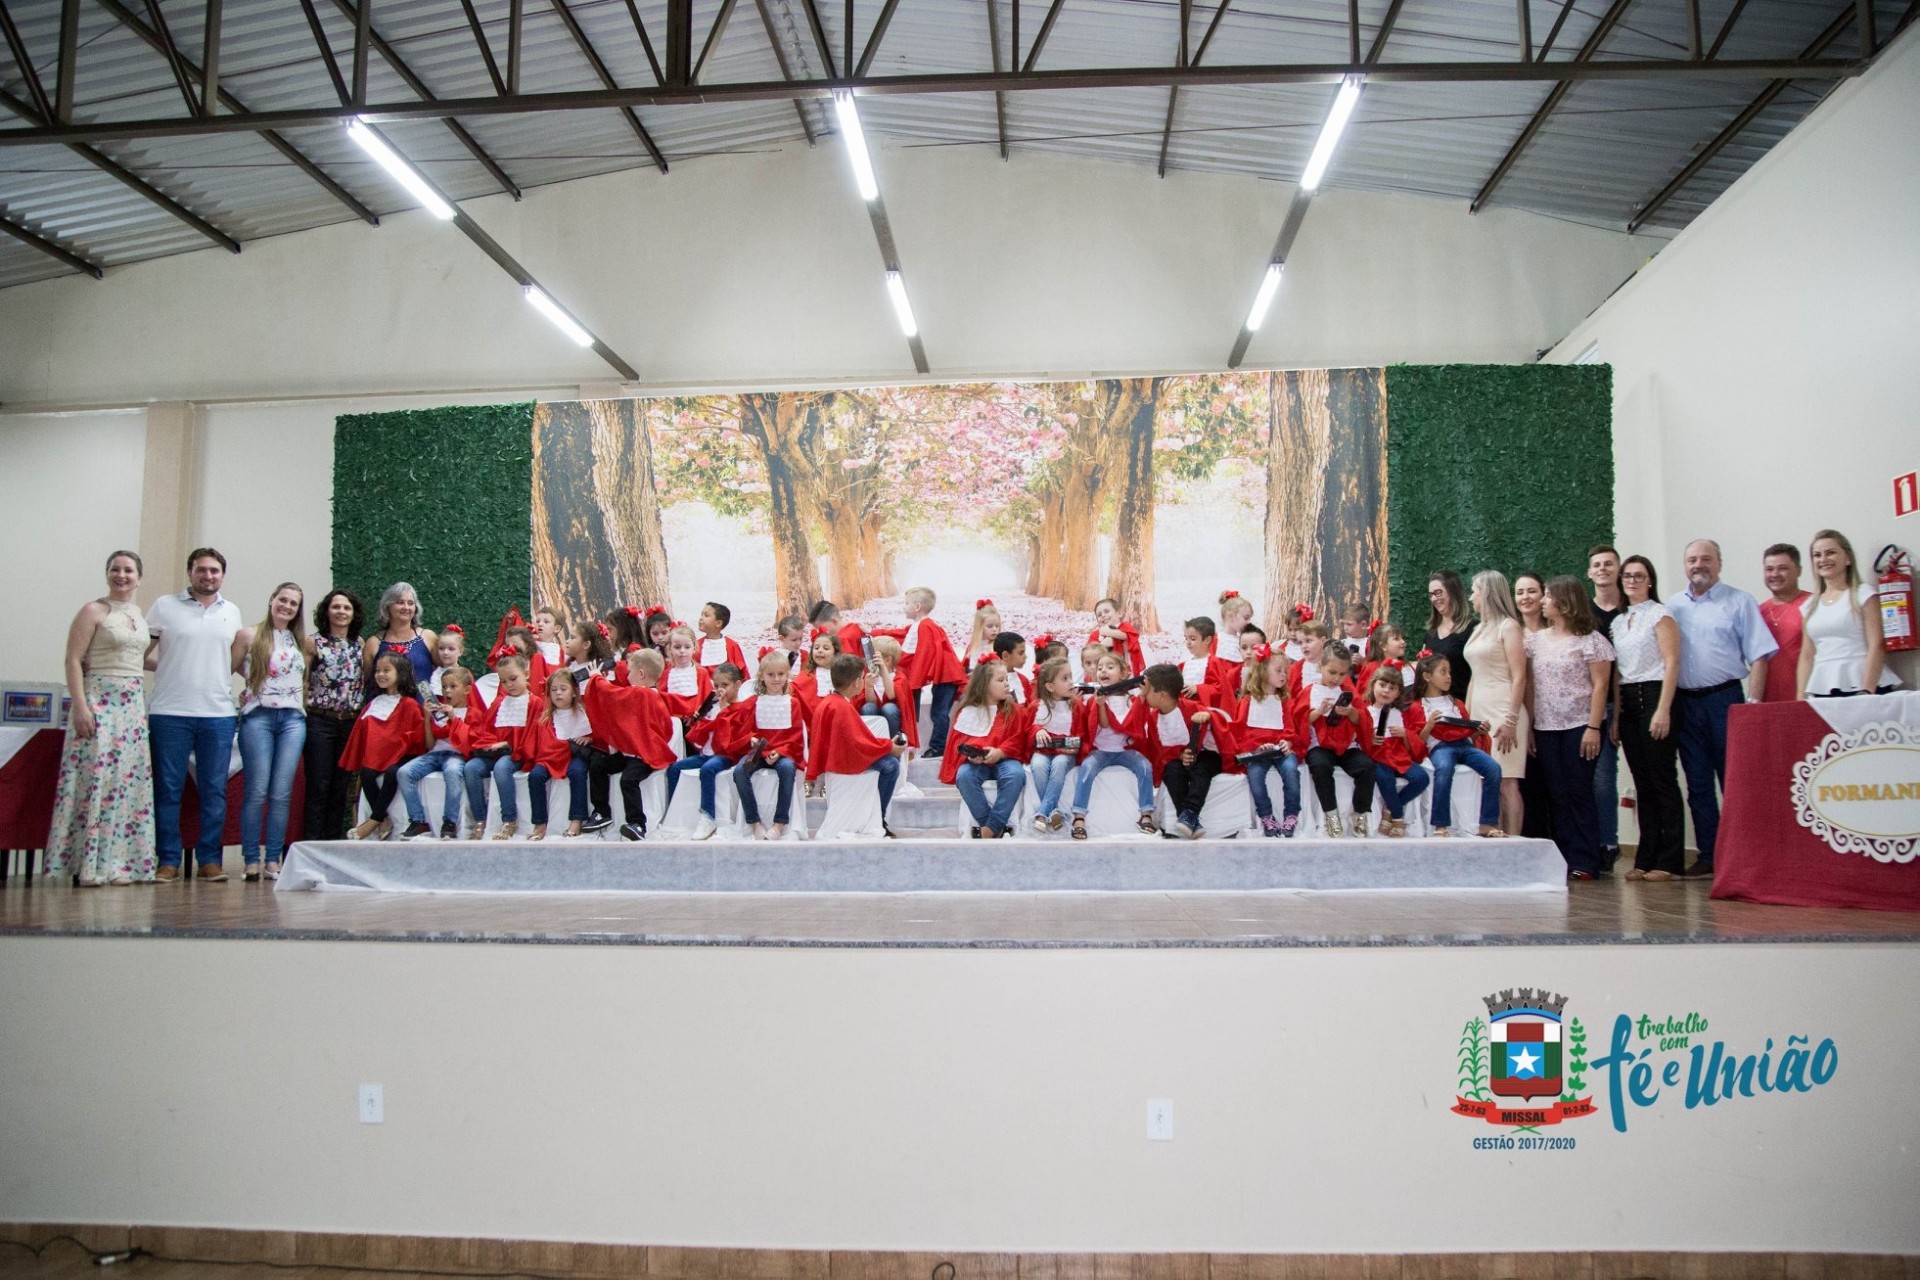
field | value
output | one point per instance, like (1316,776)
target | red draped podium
(28,781)
(1762,853)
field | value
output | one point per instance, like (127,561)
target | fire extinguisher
(1895,568)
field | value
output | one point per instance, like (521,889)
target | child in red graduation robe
(1186,746)
(632,726)
(814,678)
(927,661)
(792,634)
(1208,680)
(1113,732)
(842,743)
(1236,615)
(557,746)
(450,717)
(502,740)
(390,731)
(1386,648)
(685,684)
(772,723)
(1339,735)
(986,625)
(1263,725)
(716,647)
(713,744)
(1397,747)
(1010,651)
(1123,638)
(988,742)
(1053,747)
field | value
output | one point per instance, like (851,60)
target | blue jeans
(1448,756)
(1398,788)
(500,770)
(540,776)
(271,739)
(1132,761)
(1289,770)
(940,715)
(784,770)
(1606,784)
(1701,727)
(710,767)
(1049,770)
(452,770)
(888,711)
(208,741)
(1010,783)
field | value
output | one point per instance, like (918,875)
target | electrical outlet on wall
(373,1104)
(1160,1119)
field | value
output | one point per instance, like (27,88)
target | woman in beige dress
(1498,654)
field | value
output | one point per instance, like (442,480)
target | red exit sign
(1906,493)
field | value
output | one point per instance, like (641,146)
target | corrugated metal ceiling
(1608,146)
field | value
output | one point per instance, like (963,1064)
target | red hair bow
(677,623)
(983,603)
(633,611)
(454,629)
(601,627)
(814,633)
(1303,611)
(1229,595)
(1373,626)
(635,648)
(1424,653)
(1260,652)
(1041,641)
(659,609)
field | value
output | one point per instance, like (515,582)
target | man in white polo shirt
(190,710)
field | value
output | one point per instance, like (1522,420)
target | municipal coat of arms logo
(1525,1063)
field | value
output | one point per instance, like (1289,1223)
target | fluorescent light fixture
(897,290)
(1269,285)
(403,173)
(856,139)
(551,310)
(1343,105)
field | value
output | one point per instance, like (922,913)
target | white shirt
(195,672)
(1636,646)
(570,723)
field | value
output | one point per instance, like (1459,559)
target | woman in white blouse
(1646,642)
(1844,651)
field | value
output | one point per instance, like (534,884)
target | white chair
(853,808)
(1229,807)
(1313,820)
(1113,808)
(1017,823)
(1466,804)
(683,811)
(731,818)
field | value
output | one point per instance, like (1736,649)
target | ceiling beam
(646,45)
(999,97)
(24,60)
(69,59)
(126,176)
(427,98)
(786,68)
(516,39)
(1588,48)
(1726,29)
(210,58)
(50,248)
(1553,32)
(820,42)
(1734,128)
(326,52)
(880,25)
(479,38)
(1523,28)
(949,82)
(1046,29)
(713,37)
(1386,29)
(1173,94)
(131,21)
(592,55)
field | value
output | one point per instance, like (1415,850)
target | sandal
(539,831)
(1079,827)
(1493,833)
(1635,874)
(1148,825)
(507,831)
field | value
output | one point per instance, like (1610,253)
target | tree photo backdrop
(1327,486)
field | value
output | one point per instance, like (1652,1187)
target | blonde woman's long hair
(1495,599)
(1853,573)
(261,654)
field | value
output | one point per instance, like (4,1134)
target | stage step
(926,865)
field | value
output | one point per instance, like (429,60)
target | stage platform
(919,866)
(1600,913)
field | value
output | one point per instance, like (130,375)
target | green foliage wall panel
(441,498)
(1506,467)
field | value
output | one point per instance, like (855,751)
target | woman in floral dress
(103,810)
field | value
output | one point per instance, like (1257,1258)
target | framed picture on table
(31,708)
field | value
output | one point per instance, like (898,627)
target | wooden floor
(1597,913)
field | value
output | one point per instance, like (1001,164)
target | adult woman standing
(1449,627)
(1497,650)
(1646,642)
(1529,596)
(272,659)
(1843,651)
(1569,679)
(1536,809)
(400,632)
(103,808)
(336,689)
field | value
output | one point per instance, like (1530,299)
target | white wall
(72,497)
(947,1099)
(1767,363)
(761,267)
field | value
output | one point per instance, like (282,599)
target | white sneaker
(704,829)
